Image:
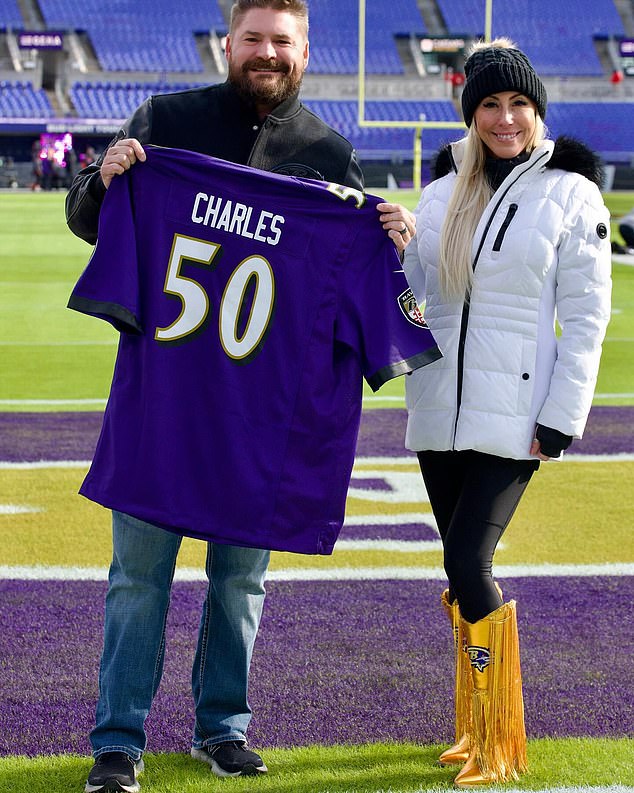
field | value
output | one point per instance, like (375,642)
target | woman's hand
(399,223)
(536,451)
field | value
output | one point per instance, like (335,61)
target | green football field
(57,359)
(577,517)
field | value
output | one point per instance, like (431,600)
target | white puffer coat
(541,249)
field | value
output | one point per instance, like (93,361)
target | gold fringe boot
(498,751)
(459,752)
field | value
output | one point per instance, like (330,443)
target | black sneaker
(231,758)
(114,772)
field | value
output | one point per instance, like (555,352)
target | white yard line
(398,546)
(614,396)
(571,789)
(360,462)
(367,400)
(18,509)
(6,466)
(77,343)
(60,573)
(371,399)
(51,402)
(377,462)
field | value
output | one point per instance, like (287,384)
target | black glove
(552,442)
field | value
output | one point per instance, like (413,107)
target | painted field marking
(399,546)
(401,486)
(55,402)
(374,461)
(366,399)
(6,466)
(104,343)
(572,789)
(623,395)
(400,519)
(623,457)
(18,509)
(614,396)
(192,574)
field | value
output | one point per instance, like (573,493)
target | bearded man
(255,118)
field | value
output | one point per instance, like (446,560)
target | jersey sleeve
(378,316)
(108,288)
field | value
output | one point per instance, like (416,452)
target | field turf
(351,683)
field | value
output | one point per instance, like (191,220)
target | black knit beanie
(493,69)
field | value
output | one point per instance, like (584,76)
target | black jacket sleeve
(87,191)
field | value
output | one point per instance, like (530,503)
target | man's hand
(119,157)
(399,223)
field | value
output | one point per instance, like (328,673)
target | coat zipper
(497,245)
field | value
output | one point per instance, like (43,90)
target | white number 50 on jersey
(195,301)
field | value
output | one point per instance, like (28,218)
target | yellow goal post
(417,125)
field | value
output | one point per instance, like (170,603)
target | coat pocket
(526,383)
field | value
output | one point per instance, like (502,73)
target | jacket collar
(456,151)
(565,153)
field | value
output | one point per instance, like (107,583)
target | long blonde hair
(469,199)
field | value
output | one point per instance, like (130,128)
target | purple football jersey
(251,306)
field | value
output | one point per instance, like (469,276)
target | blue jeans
(141,574)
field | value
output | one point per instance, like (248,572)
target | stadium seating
(156,38)
(10,16)
(139,35)
(334,35)
(375,142)
(558,37)
(606,128)
(157,51)
(147,15)
(116,100)
(609,133)
(19,99)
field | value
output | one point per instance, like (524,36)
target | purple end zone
(335,662)
(610,430)
(28,437)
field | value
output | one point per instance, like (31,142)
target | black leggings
(473,497)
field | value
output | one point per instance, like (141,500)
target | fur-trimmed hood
(568,154)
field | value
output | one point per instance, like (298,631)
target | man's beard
(267,91)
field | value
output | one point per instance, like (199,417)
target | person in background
(512,236)
(36,162)
(254,118)
(89,156)
(626,230)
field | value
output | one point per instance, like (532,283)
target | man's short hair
(298,8)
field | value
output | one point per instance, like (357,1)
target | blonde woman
(512,235)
